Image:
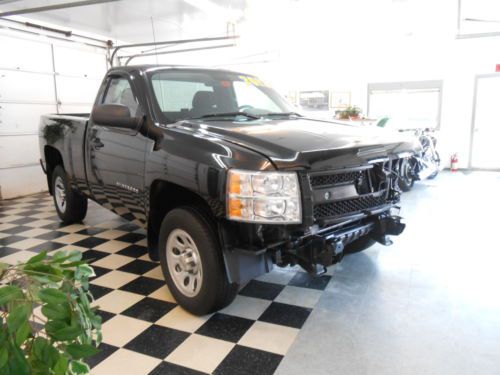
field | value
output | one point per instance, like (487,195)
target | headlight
(263,197)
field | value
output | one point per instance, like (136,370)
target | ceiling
(134,20)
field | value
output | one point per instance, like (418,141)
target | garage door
(36,78)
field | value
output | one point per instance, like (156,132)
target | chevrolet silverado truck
(224,175)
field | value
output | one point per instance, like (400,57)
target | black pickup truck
(225,176)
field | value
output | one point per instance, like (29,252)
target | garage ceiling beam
(54,7)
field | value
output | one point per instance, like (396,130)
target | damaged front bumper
(314,252)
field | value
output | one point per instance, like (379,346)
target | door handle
(96,143)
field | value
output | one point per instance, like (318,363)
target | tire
(438,162)
(192,264)
(405,180)
(358,245)
(72,206)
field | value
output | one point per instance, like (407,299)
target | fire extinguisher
(454,163)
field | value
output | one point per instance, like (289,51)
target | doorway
(485,130)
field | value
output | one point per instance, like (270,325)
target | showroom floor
(427,305)
(144,330)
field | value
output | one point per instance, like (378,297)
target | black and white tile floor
(144,330)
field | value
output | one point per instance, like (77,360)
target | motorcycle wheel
(438,162)
(405,180)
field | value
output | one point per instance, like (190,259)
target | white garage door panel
(18,54)
(18,150)
(17,182)
(76,62)
(22,118)
(26,87)
(77,90)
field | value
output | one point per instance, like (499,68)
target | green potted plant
(350,113)
(67,329)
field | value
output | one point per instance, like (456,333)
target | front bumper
(314,252)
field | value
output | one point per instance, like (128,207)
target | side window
(120,92)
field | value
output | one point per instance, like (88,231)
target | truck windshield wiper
(287,114)
(228,114)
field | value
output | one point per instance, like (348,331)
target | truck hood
(309,143)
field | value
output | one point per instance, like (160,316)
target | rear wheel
(71,206)
(191,261)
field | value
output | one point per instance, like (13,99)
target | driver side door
(115,156)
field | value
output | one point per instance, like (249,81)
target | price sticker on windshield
(253,81)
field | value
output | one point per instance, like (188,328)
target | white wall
(344,46)
(39,75)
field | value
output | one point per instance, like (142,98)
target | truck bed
(65,133)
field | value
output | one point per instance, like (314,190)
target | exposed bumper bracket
(387,226)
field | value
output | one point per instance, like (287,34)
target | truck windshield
(215,95)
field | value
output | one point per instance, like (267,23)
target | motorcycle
(424,165)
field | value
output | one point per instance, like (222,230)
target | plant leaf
(74,256)
(84,271)
(78,367)
(82,350)
(17,362)
(38,347)
(50,295)
(23,332)
(61,366)
(4,357)
(9,293)
(57,311)
(53,326)
(38,257)
(44,270)
(68,333)
(17,316)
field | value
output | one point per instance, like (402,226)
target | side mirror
(114,115)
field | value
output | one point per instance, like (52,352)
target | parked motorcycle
(424,165)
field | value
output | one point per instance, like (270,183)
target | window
(120,92)
(478,18)
(195,94)
(176,96)
(248,95)
(408,105)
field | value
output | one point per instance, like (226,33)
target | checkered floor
(145,331)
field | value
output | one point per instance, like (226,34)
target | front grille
(347,206)
(334,179)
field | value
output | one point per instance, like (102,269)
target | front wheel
(191,261)
(405,179)
(71,206)
(437,161)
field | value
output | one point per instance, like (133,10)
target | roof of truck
(145,67)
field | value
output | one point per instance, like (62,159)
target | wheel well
(164,197)
(53,158)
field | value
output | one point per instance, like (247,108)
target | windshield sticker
(253,81)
